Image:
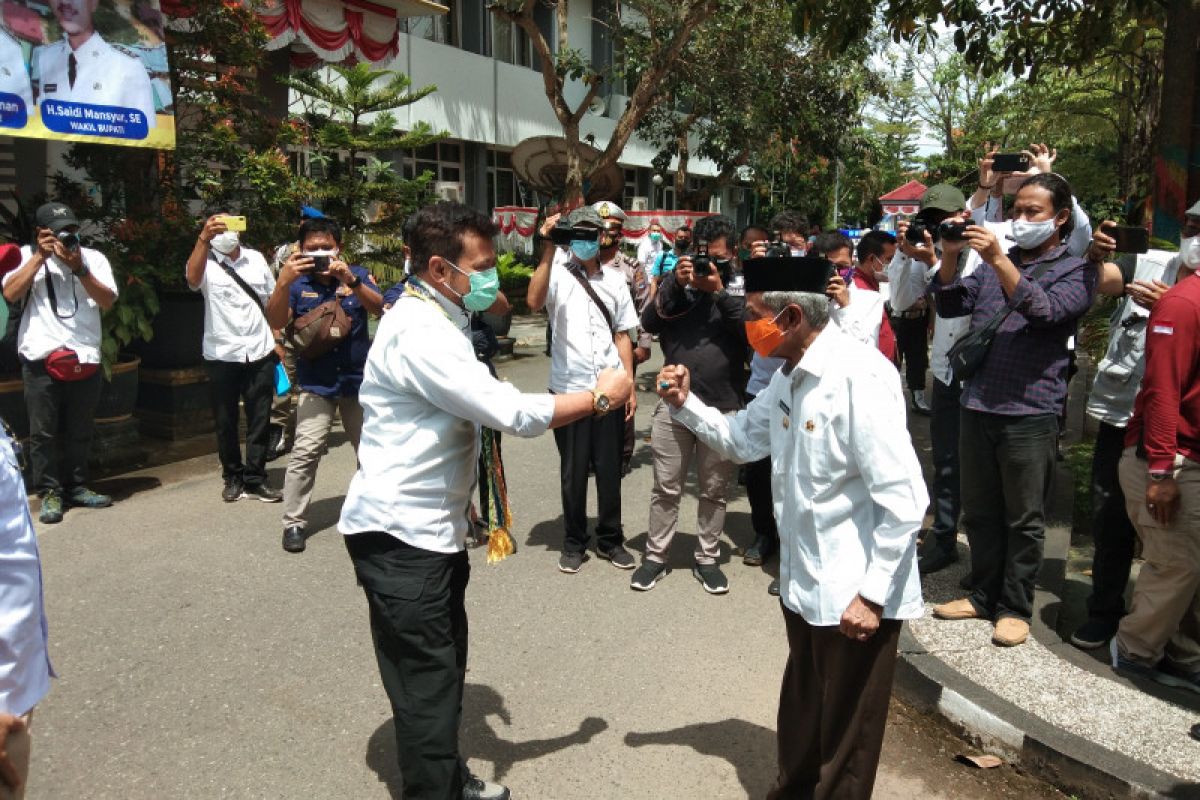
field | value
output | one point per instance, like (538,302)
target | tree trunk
(1173,183)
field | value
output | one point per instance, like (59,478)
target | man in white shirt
(25,669)
(650,247)
(83,68)
(592,315)
(14,77)
(909,274)
(240,353)
(406,516)
(849,501)
(64,287)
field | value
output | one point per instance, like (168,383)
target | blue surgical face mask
(585,251)
(485,285)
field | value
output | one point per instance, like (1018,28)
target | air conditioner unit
(714,204)
(640,204)
(450,191)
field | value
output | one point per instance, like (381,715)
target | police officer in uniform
(83,68)
(14,78)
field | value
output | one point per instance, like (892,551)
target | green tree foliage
(742,88)
(351,131)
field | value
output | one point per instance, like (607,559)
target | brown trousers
(833,709)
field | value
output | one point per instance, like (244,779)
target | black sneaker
(1093,634)
(711,578)
(773,588)
(1127,666)
(647,575)
(264,493)
(479,789)
(1170,674)
(570,563)
(293,539)
(233,491)
(619,557)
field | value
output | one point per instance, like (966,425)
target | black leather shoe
(773,588)
(264,493)
(758,552)
(935,559)
(293,539)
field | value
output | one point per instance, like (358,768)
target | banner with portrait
(86,71)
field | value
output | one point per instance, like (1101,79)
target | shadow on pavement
(478,740)
(124,488)
(748,747)
(323,514)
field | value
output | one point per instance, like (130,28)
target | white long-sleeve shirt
(862,318)
(909,280)
(848,490)
(424,396)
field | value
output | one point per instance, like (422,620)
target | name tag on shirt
(309,294)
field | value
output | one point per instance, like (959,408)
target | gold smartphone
(235,224)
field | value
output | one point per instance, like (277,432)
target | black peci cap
(788,274)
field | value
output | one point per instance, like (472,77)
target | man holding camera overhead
(64,287)
(592,315)
(329,365)
(240,352)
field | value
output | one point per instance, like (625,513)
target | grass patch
(1079,462)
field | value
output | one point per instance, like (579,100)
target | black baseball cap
(55,216)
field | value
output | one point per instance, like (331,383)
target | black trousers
(758,492)
(419,628)
(912,348)
(1007,476)
(1112,531)
(253,383)
(943,435)
(833,707)
(591,442)
(61,415)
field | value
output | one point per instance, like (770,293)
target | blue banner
(13,113)
(83,119)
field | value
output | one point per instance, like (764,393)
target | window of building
(501,180)
(440,28)
(510,44)
(442,159)
(630,191)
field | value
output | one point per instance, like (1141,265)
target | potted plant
(514,282)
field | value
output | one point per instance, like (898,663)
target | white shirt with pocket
(424,396)
(583,343)
(235,328)
(76,323)
(848,489)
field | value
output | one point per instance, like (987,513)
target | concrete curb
(1069,762)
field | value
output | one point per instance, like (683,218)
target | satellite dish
(541,162)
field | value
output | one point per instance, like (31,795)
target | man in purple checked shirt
(1010,406)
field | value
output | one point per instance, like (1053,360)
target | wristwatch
(354,284)
(1157,476)
(82,272)
(600,403)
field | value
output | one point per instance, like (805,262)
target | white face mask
(1029,235)
(225,243)
(1189,248)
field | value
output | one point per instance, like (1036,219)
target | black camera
(701,264)
(69,240)
(321,263)
(917,230)
(776,247)
(951,231)
(563,235)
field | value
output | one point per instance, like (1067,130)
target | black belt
(914,314)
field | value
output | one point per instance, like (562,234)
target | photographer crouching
(64,287)
(323,303)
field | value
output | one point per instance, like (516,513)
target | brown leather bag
(316,333)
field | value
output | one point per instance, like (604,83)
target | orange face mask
(764,335)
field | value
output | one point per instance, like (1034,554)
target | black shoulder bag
(967,355)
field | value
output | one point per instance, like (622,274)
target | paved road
(199,660)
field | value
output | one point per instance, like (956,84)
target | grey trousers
(314,419)
(674,446)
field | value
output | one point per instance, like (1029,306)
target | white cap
(608,211)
